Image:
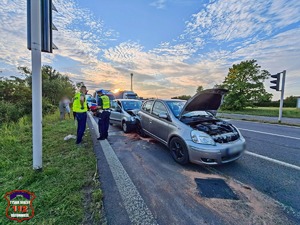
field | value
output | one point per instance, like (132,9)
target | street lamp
(131,75)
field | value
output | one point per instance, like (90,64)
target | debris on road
(70,136)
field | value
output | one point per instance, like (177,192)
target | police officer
(80,109)
(103,114)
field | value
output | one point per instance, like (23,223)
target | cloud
(80,36)
(159,4)
(239,19)
(162,69)
(220,34)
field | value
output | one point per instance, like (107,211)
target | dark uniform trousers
(103,123)
(81,124)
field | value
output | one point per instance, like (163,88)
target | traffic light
(46,25)
(275,81)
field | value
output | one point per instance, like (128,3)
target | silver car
(124,113)
(190,130)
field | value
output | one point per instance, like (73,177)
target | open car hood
(133,111)
(210,99)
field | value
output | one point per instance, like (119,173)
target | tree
(16,99)
(55,84)
(216,86)
(199,89)
(245,84)
(182,97)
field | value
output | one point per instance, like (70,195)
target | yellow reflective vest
(105,102)
(76,104)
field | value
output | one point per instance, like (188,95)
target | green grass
(66,190)
(267,111)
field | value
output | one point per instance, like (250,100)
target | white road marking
(273,160)
(278,135)
(263,122)
(135,206)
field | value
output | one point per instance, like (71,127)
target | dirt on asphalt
(252,207)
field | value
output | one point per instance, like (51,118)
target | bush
(9,112)
(12,112)
(48,107)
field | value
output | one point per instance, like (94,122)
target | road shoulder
(121,198)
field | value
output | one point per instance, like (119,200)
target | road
(265,182)
(268,119)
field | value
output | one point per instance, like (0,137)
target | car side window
(113,105)
(159,108)
(147,106)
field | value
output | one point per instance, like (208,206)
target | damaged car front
(124,112)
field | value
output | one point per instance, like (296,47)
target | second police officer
(103,114)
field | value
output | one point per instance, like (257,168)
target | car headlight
(239,132)
(201,138)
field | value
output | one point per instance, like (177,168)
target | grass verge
(267,111)
(67,191)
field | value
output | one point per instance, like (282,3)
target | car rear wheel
(179,151)
(125,128)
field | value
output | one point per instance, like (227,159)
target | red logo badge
(19,205)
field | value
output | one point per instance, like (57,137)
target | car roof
(166,100)
(123,100)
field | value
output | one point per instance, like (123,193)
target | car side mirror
(163,115)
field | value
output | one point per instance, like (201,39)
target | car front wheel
(125,127)
(179,151)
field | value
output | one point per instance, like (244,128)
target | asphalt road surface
(262,187)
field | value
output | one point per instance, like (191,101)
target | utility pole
(131,76)
(36,83)
(282,96)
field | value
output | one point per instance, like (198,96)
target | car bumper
(131,124)
(215,154)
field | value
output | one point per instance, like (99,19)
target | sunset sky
(171,46)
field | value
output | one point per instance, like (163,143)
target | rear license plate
(235,149)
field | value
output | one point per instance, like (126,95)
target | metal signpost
(277,88)
(36,83)
(39,39)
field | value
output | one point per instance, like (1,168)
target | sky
(171,46)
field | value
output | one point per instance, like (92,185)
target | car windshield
(198,114)
(131,96)
(130,105)
(176,107)
(91,99)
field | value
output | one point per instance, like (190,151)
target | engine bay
(220,131)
